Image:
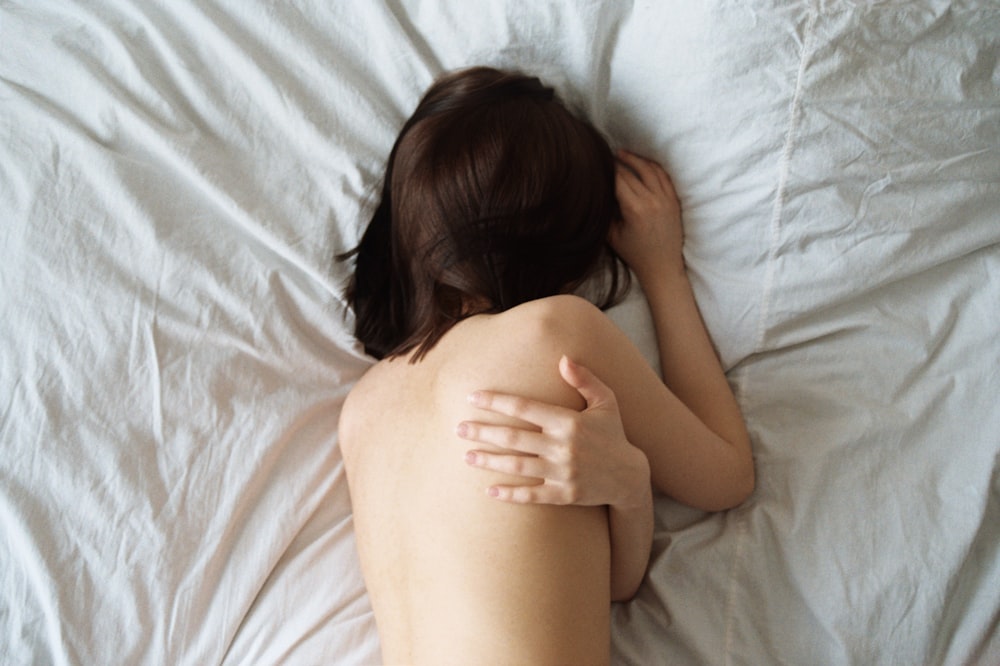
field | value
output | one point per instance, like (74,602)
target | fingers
(563,455)
(549,489)
(627,183)
(593,390)
(507,437)
(543,493)
(527,466)
(548,417)
(665,181)
(541,414)
(646,170)
(640,174)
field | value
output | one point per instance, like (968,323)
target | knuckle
(521,495)
(518,406)
(510,437)
(566,453)
(572,430)
(481,399)
(572,494)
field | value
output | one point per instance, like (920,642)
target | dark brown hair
(494,195)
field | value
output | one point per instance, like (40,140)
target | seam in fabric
(774,230)
(741,531)
(779,197)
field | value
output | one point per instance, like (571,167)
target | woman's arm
(583,458)
(650,239)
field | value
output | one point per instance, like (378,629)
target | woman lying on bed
(497,205)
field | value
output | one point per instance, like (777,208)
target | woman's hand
(650,236)
(582,458)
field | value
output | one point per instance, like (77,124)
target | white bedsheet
(175,178)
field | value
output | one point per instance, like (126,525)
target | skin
(502,486)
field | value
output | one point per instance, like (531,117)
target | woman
(497,205)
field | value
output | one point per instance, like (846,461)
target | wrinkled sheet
(176,177)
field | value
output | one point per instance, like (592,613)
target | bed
(177,177)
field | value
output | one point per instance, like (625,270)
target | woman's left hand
(581,457)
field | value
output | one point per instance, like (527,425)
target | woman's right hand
(650,236)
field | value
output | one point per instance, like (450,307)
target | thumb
(593,390)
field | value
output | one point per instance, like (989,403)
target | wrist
(660,272)
(638,488)
(665,277)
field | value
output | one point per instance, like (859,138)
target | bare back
(455,576)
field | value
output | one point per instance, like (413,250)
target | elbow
(743,478)
(743,484)
(737,487)
(621,593)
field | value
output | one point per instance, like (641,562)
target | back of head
(494,195)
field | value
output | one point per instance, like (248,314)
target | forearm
(631,531)
(691,368)
(693,373)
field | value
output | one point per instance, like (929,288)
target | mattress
(176,179)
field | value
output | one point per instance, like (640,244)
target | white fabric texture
(176,178)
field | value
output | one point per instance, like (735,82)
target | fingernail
(493,492)
(462,429)
(475,398)
(470,458)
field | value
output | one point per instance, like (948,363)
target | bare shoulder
(575,327)
(518,351)
(558,315)
(569,324)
